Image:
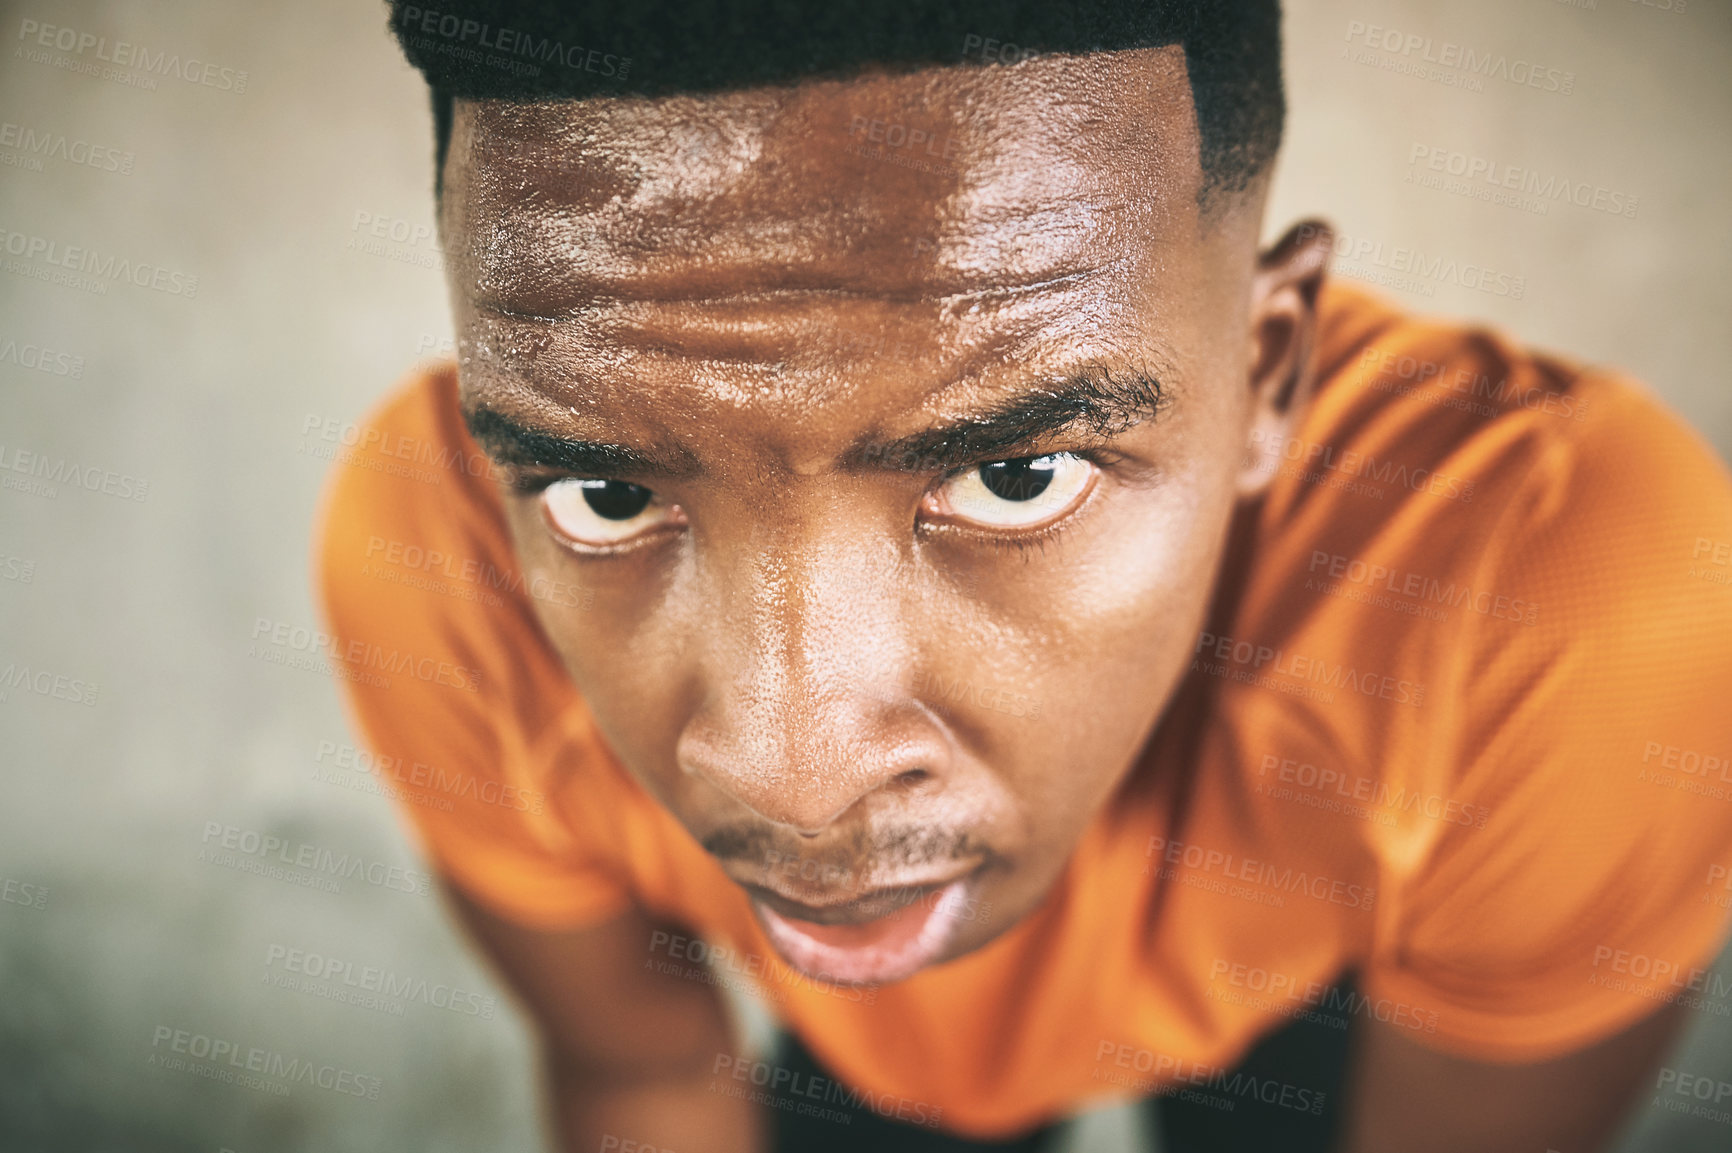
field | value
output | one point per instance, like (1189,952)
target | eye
(1019,493)
(600,513)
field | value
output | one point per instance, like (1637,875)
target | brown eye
(602,512)
(615,499)
(1023,492)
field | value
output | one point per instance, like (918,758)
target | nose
(805,707)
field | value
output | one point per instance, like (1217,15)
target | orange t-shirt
(1460,724)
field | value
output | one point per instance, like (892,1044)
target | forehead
(929,184)
(777,274)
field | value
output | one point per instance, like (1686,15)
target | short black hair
(548,49)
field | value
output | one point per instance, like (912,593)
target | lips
(881,902)
(881,937)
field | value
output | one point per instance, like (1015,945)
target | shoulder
(420,588)
(1574,486)
(411,443)
(409,490)
(1440,461)
(1491,591)
(1472,546)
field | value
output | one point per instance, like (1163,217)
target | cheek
(1103,631)
(1131,581)
(619,642)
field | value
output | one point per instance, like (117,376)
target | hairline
(1217,192)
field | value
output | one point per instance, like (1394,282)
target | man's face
(842,399)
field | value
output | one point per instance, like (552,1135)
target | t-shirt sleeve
(470,722)
(1592,730)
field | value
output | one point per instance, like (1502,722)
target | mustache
(878,850)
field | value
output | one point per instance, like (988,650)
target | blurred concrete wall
(205,392)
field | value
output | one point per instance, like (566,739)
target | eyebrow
(517,445)
(1092,400)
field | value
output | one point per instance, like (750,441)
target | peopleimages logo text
(233,1056)
(52,471)
(512,42)
(122,54)
(1465,58)
(90,262)
(357,657)
(41,358)
(44,144)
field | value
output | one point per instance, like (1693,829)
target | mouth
(880,937)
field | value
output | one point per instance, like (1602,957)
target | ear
(1283,327)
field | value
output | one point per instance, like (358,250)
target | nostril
(912,778)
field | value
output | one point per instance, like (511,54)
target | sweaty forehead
(941,182)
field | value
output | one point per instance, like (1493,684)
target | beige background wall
(208,398)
